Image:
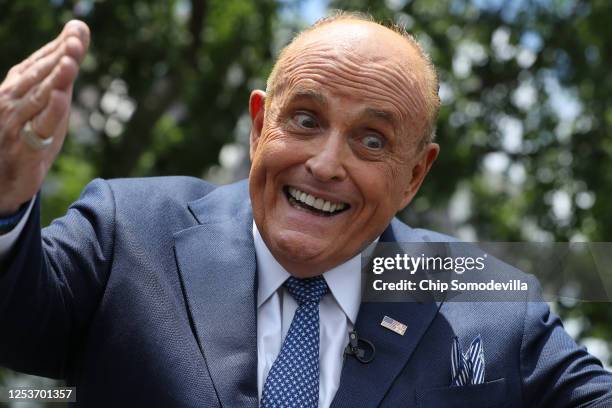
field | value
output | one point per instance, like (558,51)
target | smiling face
(337,152)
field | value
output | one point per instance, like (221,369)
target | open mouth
(316,205)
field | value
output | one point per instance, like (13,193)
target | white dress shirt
(276,307)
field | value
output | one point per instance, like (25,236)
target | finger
(73,28)
(15,72)
(43,67)
(39,64)
(83,31)
(37,98)
(50,118)
(41,53)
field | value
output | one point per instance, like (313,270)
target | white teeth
(318,203)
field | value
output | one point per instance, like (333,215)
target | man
(173,292)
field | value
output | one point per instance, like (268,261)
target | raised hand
(35,100)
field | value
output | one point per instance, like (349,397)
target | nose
(327,162)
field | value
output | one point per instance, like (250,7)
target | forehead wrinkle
(291,60)
(302,92)
(358,65)
(369,80)
(399,79)
(376,100)
(384,79)
(348,88)
(352,49)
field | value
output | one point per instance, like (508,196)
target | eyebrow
(387,116)
(310,94)
(318,97)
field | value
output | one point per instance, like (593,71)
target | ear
(257,107)
(419,171)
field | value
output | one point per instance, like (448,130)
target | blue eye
(373,142)
(304,120)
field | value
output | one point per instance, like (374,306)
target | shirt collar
(344,281)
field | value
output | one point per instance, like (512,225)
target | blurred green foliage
(524,127)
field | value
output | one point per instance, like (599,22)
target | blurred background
(525,126)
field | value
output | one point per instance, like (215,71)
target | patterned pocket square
(468,367)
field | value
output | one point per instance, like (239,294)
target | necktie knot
(307,290)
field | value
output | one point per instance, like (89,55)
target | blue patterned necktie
(293,380)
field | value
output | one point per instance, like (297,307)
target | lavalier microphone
(363,350)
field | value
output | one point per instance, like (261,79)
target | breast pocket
(491,394)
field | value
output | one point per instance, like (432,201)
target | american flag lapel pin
(393,325)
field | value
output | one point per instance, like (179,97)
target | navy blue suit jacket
(144,294)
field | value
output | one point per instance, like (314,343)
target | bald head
(358,38)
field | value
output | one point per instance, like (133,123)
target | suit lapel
(217,266)
(365,385)
(216,262)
